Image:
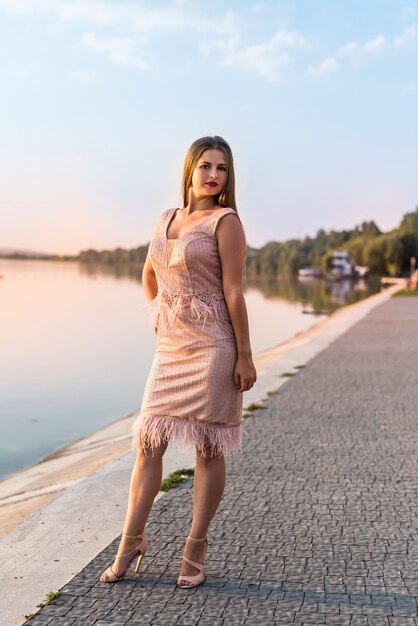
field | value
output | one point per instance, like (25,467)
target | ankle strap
(133,536)
(193,539)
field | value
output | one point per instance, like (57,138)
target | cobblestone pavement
(318,524)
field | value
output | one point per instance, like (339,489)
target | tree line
(383,253)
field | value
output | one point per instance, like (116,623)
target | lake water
(77,342)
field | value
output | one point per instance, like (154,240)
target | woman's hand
(245,374)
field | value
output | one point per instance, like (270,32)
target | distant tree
(89,256)
(370,229)
(374,256)
(409,224)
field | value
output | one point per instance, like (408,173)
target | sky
(100,100)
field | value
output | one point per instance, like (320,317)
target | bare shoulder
(229,226)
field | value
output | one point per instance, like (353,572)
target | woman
(193,276)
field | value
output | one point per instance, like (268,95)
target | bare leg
(145,484)
(209,483)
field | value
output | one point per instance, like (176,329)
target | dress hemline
(219,437)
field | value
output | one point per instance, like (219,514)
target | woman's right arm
(149,280)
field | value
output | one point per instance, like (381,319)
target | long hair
(227,196)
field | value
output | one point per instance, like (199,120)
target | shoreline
(29,490)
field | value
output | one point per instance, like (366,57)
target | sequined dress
(190,395)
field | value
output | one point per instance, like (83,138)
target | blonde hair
(227,196)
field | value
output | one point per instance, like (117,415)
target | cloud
(407,39)
(130,21)
(120,50)
(353,52)
(143,19)
(266,59)
(356,51)
(258,7)
(328,66)
(409,87)
(375,45)
(87,75)
(24,74)
(408,13)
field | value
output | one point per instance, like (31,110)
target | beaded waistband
(185,297)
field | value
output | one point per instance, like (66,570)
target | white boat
(309,272)
(362,271)
(342,265)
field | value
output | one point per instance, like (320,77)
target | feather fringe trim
(158,429)
(203,305)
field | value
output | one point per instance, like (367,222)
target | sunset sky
(100,100)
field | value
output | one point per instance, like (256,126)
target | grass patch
(275,392)
(51,595)
(176,478)
(287,374)
(299,367)
(405,292)
(254,406)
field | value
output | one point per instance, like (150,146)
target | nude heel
(108,576)
(198,579)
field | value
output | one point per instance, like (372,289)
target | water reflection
(120,270)
(316,294)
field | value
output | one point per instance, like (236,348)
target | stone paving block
(376,610)
(41,620)
(110,622)
(337,619)
(284,614)
(186,621)
(311,617)
(58,611)
(406,602)
(359,620)
(360,599)
(377,621)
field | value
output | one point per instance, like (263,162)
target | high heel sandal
(138,551)
(198,578)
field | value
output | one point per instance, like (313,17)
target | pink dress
(190,395)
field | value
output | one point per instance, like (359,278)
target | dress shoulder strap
(167,214)
(220,213)
(162,221)
(166,217)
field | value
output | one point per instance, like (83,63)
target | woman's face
(210,174)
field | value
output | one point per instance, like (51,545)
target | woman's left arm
(232,248)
